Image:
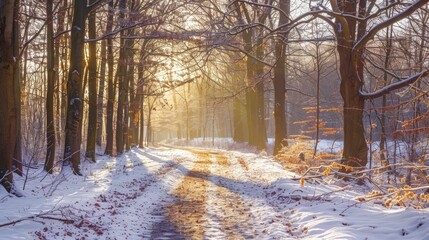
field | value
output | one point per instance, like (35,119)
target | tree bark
(7,98)
(74,88)
(261,134)
(100,100)
(250,93)
(130,109)
(280,134)
(355,147)
(17,156)
(355,150)
(120,121)
(59,81)
(140,96)
(110,85)
(238,134)
(92,90)
(50,124)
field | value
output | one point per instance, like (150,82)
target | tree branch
(371,33)
(394,86)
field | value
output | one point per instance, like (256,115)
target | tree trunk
(65,66)
(261,134)
(383,138)
(355,148)
(110,85)
(255,95)
(129,127)
(318,72)
(280,133)
(100,100)
(58,83)
(148,128)
(74,87)
(178,126)
(238,134)
(17,156)
(92,90)
(279,99)
(140,97)
(250,93)
(50,126)
(120,121)
(7,98)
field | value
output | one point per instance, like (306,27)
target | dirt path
(205,207)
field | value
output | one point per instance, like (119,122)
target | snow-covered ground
(168,193)
(324,145)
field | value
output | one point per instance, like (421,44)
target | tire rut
(185,218)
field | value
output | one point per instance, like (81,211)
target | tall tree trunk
(383,137)
(318,72)
(238,134)
(92,90)
(129,127)
(178,125)
(120,121)
(17,156)
(149,127)
(7,98)
(280,133)
(140,96)
(355,152)
(110,85)
(355,148)
(261,134)
(74,88)
(65,64)
(50,124)
(58,83)
(100,100)
(250,93)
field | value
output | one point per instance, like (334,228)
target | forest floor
(196,193)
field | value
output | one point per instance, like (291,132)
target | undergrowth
(403,184)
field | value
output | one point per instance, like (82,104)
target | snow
(144,194)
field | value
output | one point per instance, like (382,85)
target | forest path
(192,193)
(218,200)
(173,193)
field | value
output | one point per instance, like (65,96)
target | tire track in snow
(231,217)
(219,199)
(186,217)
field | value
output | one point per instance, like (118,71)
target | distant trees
(350,22)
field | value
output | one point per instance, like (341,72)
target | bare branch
(387,89)
(371,33)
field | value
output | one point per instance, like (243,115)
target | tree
(7,93)
(50,123)
(253,45)
(121,73)
(279,80)
(110,85)
(352,36)
(74,87)
(92,89)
